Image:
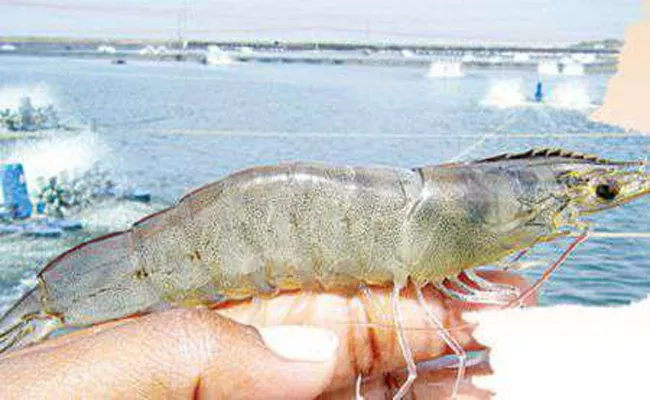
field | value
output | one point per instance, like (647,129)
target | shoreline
(593,56)
(485,60)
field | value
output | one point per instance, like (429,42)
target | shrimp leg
(464,293)
(516,258)
(357,388)
(486,285)
(26,321)
(579,239)
(448,338)
(401,337)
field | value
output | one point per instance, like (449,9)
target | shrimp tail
(93,282)
(26,322)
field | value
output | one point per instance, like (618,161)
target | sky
(524,21)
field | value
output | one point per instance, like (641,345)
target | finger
(364,325)
(176,354)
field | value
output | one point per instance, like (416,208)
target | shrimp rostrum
(311,226)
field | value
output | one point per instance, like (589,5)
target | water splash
(446,69)
(570,95)
(573,69)
(505,94)
(40,95)
(70,155)
(114,214)
(548,68)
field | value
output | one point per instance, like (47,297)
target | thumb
(280,362)
(177,354)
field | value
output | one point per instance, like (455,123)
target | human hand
(183,353)
(305,345)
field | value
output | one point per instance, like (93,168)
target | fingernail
(301,343)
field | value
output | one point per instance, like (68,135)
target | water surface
(171,127)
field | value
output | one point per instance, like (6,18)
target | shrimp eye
(607,191)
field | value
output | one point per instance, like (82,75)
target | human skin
(199,353)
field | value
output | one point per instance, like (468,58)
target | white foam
(56,155)
(567,352)
(40,95)
(446,69)
(570,95)
(505,94)
(521,57)
(573,68)
(115,214)
(548,68)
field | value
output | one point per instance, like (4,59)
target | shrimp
(314,227)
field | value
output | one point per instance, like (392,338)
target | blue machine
(16,216)
(18,209)
(539,94)
(14,189)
